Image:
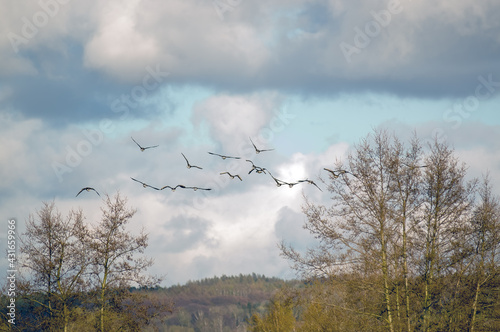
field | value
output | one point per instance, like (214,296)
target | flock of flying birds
(257,169)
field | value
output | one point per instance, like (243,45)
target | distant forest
(408,242)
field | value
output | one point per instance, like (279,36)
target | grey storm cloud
(309,47)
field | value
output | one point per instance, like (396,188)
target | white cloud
(118,47)
(232,119)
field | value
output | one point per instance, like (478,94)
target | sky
(306,78)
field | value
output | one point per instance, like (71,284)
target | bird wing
(95,191)
(312,182)
(136,142)
(80,192)
(145,184)
(215,154)
(253,145)
(335,175)
(139,181)
(149,147)
(239,177)
(185,159)
(279,182)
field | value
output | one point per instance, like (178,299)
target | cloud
(232,119)
(89,57)
(179,75)
(289,228)
(183,233)
(118,42)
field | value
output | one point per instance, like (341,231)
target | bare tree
(447,201)
(407,167)
(53,252)
(114,250)
(357,233)
(486,243)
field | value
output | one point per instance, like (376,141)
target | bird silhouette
(198,188)
(232,176)
(339,172)
(145,185)
(258,150)
(87,189)
(279,183)
(173,188)
(223,156)
(141,147)
(188,164)
(310,182)
(257,169)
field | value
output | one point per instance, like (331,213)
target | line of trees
(78,276)
(408,244)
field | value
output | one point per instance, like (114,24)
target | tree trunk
(385,272)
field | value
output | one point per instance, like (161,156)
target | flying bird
(279,183)
(188,164)
(256,168)
(141,147)
(145,185)
(310,182)
(232,176)
(223,156)
(173,188)
(87,189)
(198,188)
(339,172)
(258,150)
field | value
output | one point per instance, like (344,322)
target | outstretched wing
(198,188)
(254,145)
(187,162)
(139,182)
(95,191)
(136,142)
